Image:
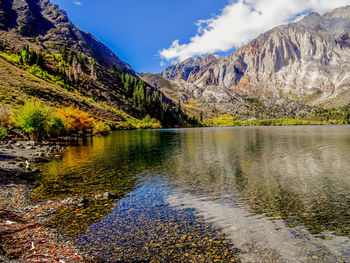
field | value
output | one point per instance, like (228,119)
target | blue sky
(136,30)
(152,34)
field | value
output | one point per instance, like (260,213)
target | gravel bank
(25,231)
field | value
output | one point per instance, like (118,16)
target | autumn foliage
(39,121)
(101,127)
(75,119)
(5,117)
(5,121)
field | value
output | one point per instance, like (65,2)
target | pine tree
(25,54)
(40,59)
(71,56)
(32,58)
(64,53)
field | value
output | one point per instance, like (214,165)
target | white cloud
(162,63)
(242,21)
(78,3)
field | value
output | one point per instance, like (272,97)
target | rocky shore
(26,233)
(19,157)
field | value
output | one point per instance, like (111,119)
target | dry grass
(18,86)
(5,117)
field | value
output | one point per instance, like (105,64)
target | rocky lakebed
(26,231)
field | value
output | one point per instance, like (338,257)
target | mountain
(303,63)
(44,24)
(44,55)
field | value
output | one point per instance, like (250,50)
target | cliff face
(50,28)
(308,60)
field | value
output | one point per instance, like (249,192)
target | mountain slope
(307,62)
(18,86)
(212,101)
(42,23)
(37,37)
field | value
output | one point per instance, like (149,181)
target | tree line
(152,102)
(31,57)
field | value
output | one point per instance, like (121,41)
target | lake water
(253,194)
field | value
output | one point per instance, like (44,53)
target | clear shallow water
(279,194)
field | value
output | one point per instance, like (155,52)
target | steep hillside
(307,62)
(41,24)
(18,86)
(39,41)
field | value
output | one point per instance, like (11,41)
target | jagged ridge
(307,61)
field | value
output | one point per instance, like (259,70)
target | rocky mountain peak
(183,70)
(30,20)
(312,20)
(46,23)
(341,13)
(309,59)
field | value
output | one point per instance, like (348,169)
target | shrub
(34,119)
(3,133)
(75,120)
(147,123)
(57,126)
(101,127)
(5,117)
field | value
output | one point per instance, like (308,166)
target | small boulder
(40,154)
(98,196)
(109,196)
(83,202)
(33,143)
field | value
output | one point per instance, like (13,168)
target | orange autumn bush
(75,120)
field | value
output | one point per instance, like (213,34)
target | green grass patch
(232,121)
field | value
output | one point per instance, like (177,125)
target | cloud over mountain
(242,21)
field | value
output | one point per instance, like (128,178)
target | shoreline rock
(21,154)
(25,231)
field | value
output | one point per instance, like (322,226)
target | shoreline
(25,229)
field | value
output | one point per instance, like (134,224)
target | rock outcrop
(307,61)
(50,27)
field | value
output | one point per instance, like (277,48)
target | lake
(250,194)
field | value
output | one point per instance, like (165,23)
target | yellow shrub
(146,123)
(101,128)
(75,119)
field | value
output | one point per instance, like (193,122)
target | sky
(151,35)
(137,30)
